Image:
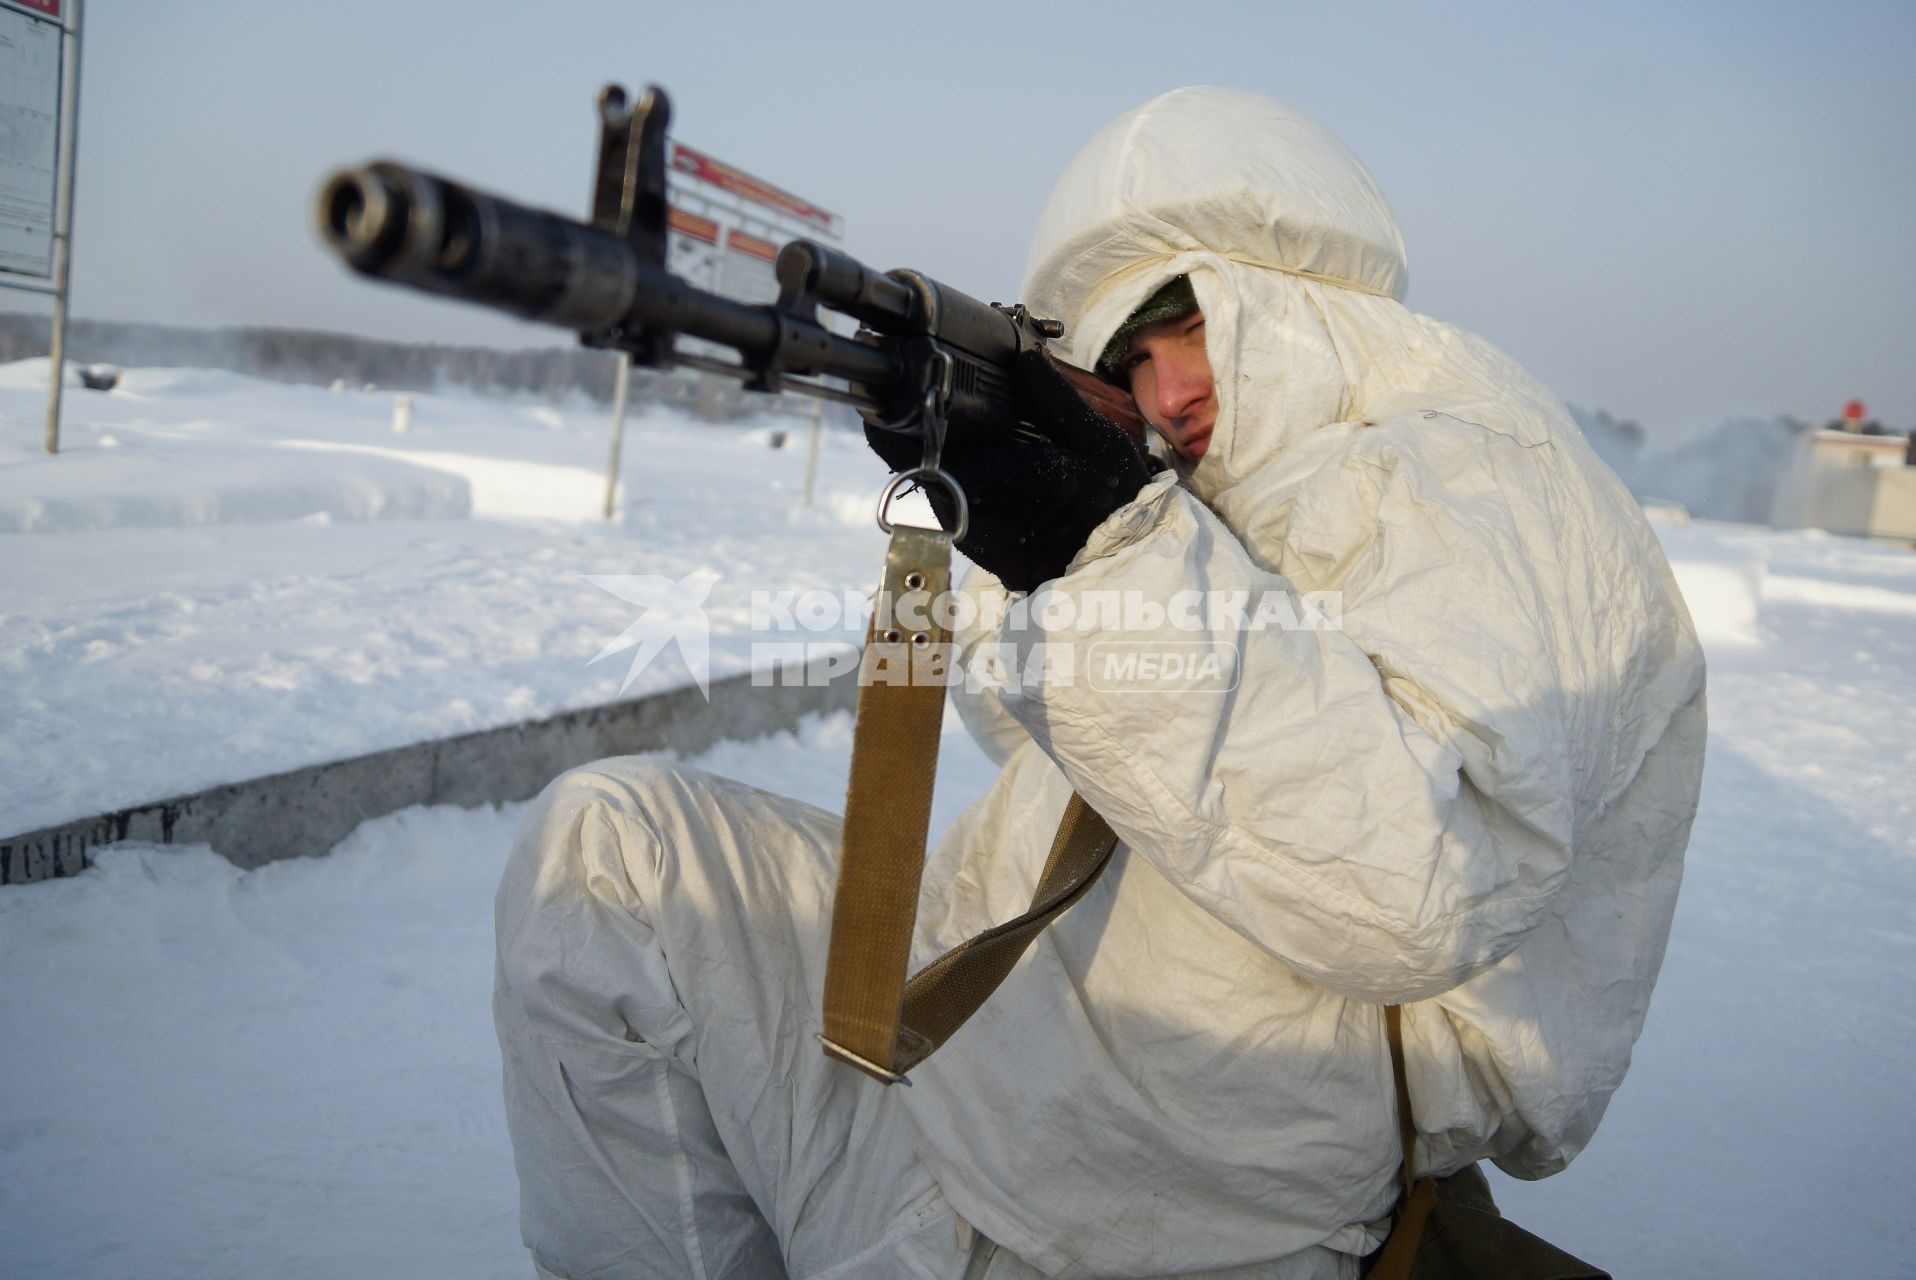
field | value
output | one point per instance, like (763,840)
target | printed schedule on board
(29,136)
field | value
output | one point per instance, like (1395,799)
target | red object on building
(1854,411)
(48,7)
(739,240)
(690,224)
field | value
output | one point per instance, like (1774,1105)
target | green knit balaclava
(1175,299)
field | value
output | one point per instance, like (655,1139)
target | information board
(748,273)
(726,228)
(691,247)
(29,136)
(803,214)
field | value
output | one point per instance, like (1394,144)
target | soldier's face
(1170,377)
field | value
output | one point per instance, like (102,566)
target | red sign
(49,7)
(736,239)
(1853,411)
(698,165)
(690,224)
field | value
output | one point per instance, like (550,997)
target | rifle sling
(874,1019)
(1397,1257)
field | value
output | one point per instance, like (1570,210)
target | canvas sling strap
(1399,1254)
(1449,1228)
(874,1018)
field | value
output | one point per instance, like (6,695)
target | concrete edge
(305,812)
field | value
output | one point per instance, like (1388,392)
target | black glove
(1032,503)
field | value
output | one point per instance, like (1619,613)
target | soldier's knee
(594,831)
(577,906)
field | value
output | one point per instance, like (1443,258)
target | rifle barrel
(404,226)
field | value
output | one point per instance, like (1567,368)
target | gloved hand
(1033,503)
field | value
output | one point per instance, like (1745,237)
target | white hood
(1221,172)
(1254,200)
(1273,219)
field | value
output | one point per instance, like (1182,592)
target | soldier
(1469,799)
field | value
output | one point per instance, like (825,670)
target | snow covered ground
(219,577)
(287,1072)
(290,1071)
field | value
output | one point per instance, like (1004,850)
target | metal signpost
(39,130)
(725,229)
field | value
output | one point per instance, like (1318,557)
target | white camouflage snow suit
(1472,799)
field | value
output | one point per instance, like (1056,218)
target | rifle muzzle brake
(395,223)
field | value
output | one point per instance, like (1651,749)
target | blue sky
(1679,212)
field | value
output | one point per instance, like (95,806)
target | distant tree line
(1731,472)
(306,356)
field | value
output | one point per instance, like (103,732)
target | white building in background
(1847,482)
(1831,448)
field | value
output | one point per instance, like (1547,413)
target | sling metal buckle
(926,473)
(884,1075)
(930,467)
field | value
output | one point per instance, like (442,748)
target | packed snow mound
(28,375)
(107,486)
(194,383)
(1849,597)
(1724,594)
(31,375)
(192,447)
(1740,581)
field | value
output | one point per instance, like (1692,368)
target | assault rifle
(927,359)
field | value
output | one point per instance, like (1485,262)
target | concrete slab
(305,812)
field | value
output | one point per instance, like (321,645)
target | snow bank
(171,448)
(110,486)
(499,488)
(1846,596)
(1724,596)
(221,577)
